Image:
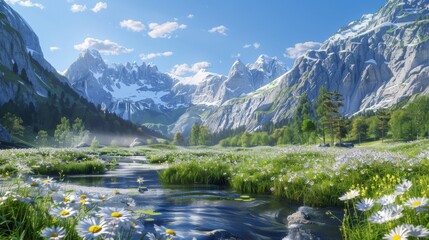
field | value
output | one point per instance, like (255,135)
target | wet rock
(299,218)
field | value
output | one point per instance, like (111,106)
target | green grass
(49,162)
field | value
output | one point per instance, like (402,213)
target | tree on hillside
(320,113)
(42,138)
(329,112)
(204,137)
(359,128)
(62,133)
(13,124)
(301,113)
(245,139)
(195,135)
(383,116)
(308,127)
(178,139)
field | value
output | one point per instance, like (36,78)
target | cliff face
(374,62)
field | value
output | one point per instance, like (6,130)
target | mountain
(32,89)
(144,95)
(131,91)
(374,63)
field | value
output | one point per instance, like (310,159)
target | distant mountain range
(374,62)
(32,89)
(144,95)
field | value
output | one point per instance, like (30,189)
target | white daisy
(62,212)
(417,231)
(165,232)
(53,187)
(48,180)
(64,198)
(93,228)
(349,195)
(386,214)
(403,187)
(365,204)
(398,233)
(34,183)
(53,233)
(115,215)
(416,202)
(386,200)
(140,180)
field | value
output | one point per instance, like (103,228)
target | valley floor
(382,187)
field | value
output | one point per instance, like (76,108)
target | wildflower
(53,233)
(403,187)
(62,212)
(365,204)
(165,232)
(34,182)
(129,202)
(48,180)
(386,200)
(101,197)
(63,198)
(140,180)
(386,214)
(349,195)
(416,231)
(53,187)
(115,215)
(398,233)
(92,228)
(416,202)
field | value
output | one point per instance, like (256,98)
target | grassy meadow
(383,187)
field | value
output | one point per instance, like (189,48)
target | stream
(209,211)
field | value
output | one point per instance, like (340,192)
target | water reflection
(210,212)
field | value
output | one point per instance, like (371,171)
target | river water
(209,211)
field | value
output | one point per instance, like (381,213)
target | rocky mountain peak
(237,67)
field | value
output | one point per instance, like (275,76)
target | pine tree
(178,139)
(195,135)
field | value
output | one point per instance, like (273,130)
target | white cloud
(301,48)
(25,3)
(105,47)
(78,8)
(53,49)
(255,45)
(99,6)
(135,26)
(154,55)
(164,30)
(190,16)
(237,55)
(219,29)
(183,69)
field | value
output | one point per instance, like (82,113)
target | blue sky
(183,36)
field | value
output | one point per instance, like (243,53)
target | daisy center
(64,213)
(95,229)
(54,235)
(83,196)
(396,237)
(171,232)
(416,204)
(116,214)
(66,199)
(34,184)
(47,181)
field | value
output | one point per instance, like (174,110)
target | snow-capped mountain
(375,62)
(143,94)
(123,89)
